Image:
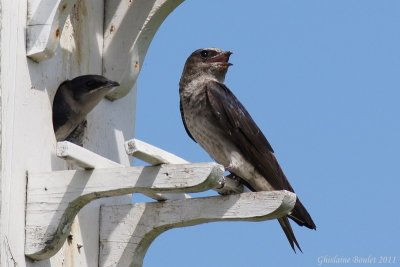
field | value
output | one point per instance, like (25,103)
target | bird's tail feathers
(287,229)
(301,216)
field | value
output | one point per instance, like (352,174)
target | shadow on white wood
(128,31)
(54,198)
(126,231)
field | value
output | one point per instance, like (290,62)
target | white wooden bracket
(45,22)
(126,231)
(55,198)
(128,32)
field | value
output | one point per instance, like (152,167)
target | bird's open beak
(222,57)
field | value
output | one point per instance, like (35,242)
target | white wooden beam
(128,32)
(150,153)
(45,22)
(126,231)
(82,157)
(54,198)
(155,155)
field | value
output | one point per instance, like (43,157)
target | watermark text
(337,259)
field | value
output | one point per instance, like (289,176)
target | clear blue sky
(322,80)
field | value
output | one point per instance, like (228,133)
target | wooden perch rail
(54,198)
(126,231)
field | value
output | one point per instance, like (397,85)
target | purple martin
(215,119)
(74,99)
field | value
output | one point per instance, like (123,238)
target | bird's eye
(90,84)
(204,54)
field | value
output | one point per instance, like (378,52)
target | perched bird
(74,99)
(214,118)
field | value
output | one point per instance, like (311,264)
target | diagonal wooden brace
(126,231)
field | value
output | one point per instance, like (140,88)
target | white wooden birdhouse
(69,205)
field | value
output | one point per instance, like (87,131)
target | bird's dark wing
(61,110)
(237,122)
(183,120)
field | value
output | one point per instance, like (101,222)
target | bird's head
(74,99)
(213,62)
(88,88)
